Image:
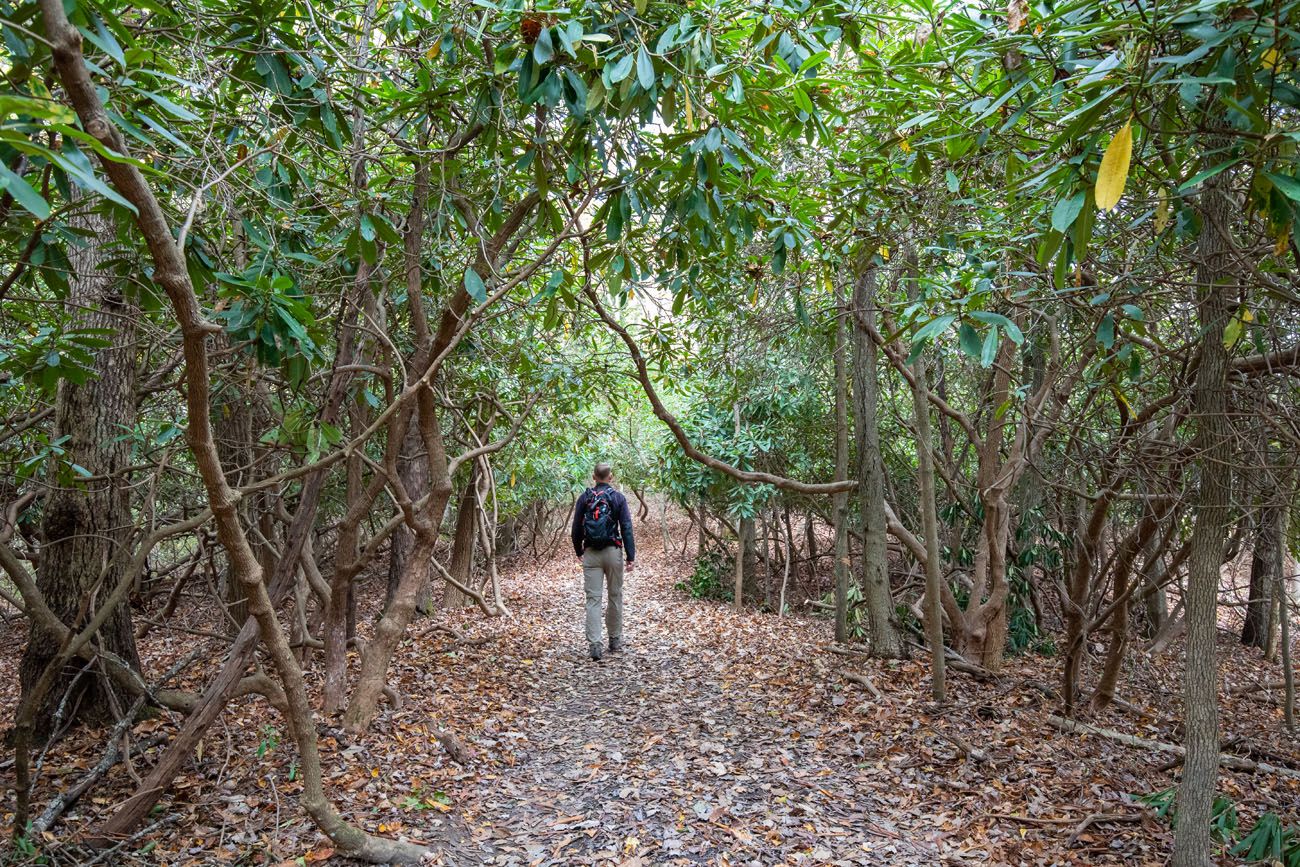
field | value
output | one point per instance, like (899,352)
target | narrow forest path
(704,739)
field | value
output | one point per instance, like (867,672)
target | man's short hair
(602,472)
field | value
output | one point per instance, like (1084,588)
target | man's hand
(631,564)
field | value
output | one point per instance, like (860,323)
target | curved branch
(752,477)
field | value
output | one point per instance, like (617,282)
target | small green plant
(1268,841)
(437,800)
(25,846)
(1163,802)
(270,740)
(709,579)
(1223,820)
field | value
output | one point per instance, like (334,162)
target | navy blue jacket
(622,535)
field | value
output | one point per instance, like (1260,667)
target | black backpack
(599,526)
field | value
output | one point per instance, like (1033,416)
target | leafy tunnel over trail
(948,355)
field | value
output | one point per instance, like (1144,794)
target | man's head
(602,473)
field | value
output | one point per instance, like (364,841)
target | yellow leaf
(1113,173)
(374,772)
(434,50)
(905,145)
(1162,213)
(690,114)
(1282,239)
(1236,327)
(884,252)
(1270,59)
(512,480)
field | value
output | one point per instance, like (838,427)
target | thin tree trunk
(1284,617)
(883,632)
(462,544)
(840,499)
(414,472)
(1192,844)
(789,559)
(933,619)
(738,567)
(1257,630)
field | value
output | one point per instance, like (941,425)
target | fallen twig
(1236,763)
(863,680)
(1097,818)
(965,748)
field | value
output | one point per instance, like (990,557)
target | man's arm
(576,532)
(625,521)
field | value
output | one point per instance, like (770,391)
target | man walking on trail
(602,532)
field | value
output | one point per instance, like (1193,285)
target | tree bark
(414,472)
(462,544)
(840,499)
(86,523)
(1192,844)
(1265,564)
(932,609)
(886,641)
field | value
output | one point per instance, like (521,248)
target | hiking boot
(616,645)
(596,651)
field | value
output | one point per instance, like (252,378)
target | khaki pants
(599,567)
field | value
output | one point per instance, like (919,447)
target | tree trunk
(87,522)
(233,428)
(749,558)
(883,634)
(414,472)
(462,544)
(932,609)
(1265,565)
(840,500)
(1192,843)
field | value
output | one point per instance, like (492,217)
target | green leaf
(933,328)
(1286,185)
(990,349)
(23,193)
(474,286)
(620,69)
(969,340)
(12,103)
(543,48)
(801,100)
(1200,177)
(953,183)
(1067,211)
(645,69)
(736,93)
(999,321)
(1106,331)
(170,107)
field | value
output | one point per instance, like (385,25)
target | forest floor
(715,738)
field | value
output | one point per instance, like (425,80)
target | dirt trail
(695,743)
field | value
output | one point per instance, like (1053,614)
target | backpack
(599,526)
